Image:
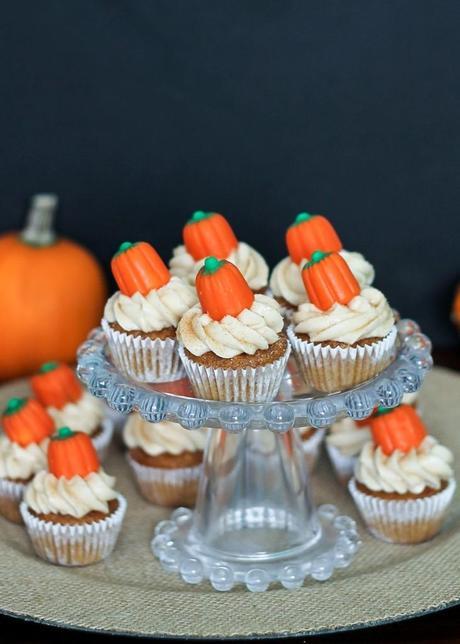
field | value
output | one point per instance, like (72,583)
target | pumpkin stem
(316,257)
(39,224)
(63,432)
(199,215)
(14,405)
(301,217)
(211,265)
(48,366)
(382,410)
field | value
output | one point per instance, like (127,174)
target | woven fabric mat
(129,593)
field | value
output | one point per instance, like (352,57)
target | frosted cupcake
(232,344)
(72,513)
(311,439)
(140,319)
(403,480)
(344,335)
(27,429)
(165,459)
(347,437)
(307,234)
(209,233)
(57,388)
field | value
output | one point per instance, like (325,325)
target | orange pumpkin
(25,421)
(55,385)
(209,233)
(309,233)
(138,268)
(53,294)
(399,428)
(222,290)
(71,454)
(328,280)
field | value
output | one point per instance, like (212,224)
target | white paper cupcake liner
(405,521)
(167,487)
(335,368)
(74,545)
(342,464)
(10,499)
(101,442)
(143,359)
(311,447)
(253,384)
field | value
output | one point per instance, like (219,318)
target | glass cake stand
(254,521)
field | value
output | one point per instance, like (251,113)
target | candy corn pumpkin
(71,454)
(328,280)
(222,290)
(138,268)
(309,233)
(399,428)
(25,421)
(55,385)
(209,233)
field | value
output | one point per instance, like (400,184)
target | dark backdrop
(137,112)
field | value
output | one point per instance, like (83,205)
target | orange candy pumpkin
(71,454)
(399,428)
(25,421)
(138,268)
(53,294)
(209,233)
(309,233)
(222,290)
(55,385)
(328,280)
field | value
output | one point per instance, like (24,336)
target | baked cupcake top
(164,437)
(209,233)
(57,387)
(338,309)
(149,299)
(229,320)
(307,234)
(74,484)
(27,428)
(348,437)
(402,457)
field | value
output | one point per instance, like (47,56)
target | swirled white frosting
(367,315)
(253,329)
(85,415)
(251,264)
(18,462)
(426,466)
(164,437)
(286,278)
(76,497)
(159,309)
(348,437)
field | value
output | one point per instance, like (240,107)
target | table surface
(442,626)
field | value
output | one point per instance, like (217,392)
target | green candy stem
(124,247)
(211,265)
(63,433)
(316,257)
(199,215)
(14,405)
(301,217)
(48,366)
(382,410)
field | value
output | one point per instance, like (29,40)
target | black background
(138,112)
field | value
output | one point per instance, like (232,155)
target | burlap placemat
(129,593)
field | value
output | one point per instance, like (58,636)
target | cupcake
(231,343)
(403,481)
(307,234)
(165,459)
(27,429)
(209,233)
(140,319)
(72,512)
(344,335)
(57,388)
(311,439)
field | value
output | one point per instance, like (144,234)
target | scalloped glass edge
(404,375)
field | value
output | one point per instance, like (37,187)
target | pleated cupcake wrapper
(342,464)
(335,368)
(405,521)
(143,359)
(167,487)
(101,442)
(311,447)
(251,384)
(74,545)
(10,499)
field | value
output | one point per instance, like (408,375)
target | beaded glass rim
(404,375)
